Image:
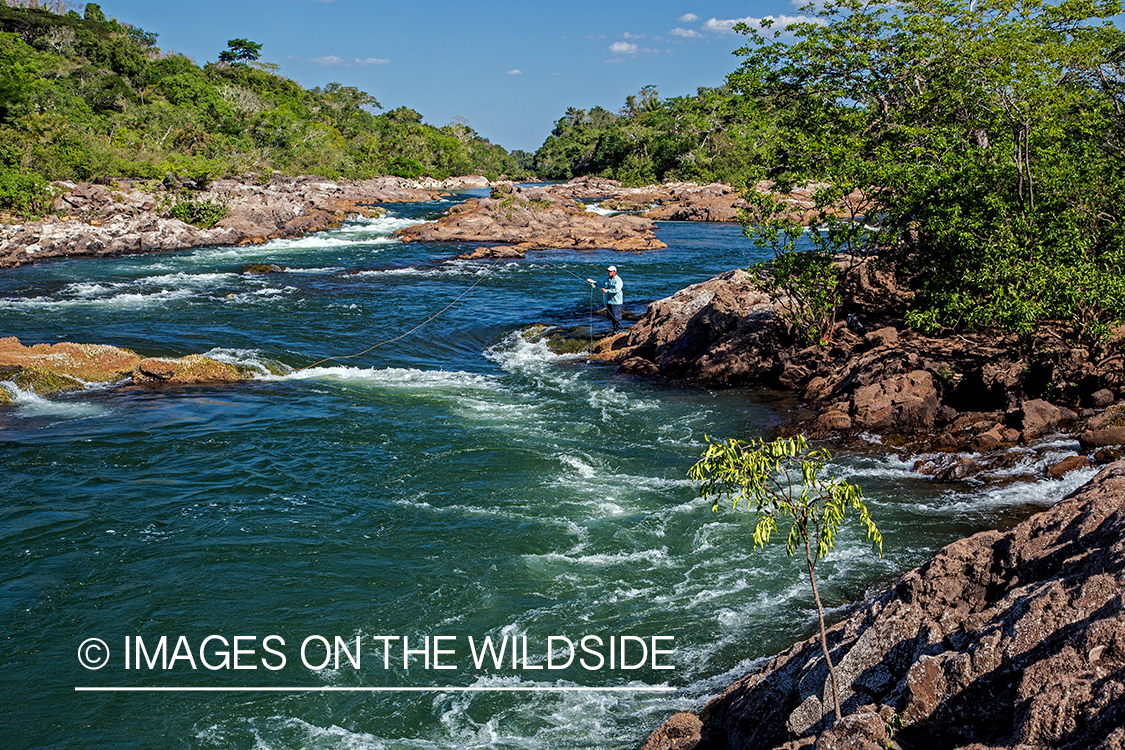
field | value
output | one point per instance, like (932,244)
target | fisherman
(612,288)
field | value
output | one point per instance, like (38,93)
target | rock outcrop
(45,369)
(688,201)
(975,391)
(1003,640)
(132,217)
(535,219)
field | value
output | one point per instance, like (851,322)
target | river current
(461,482)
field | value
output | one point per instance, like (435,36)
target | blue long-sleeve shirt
(613,287)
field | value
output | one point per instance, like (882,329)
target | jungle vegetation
(84,97)
(987,136)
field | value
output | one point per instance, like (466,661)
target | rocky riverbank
(1003,640)
(46,369)
(129,217)
(961,400)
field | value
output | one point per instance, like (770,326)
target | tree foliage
(240,51)
(711,136)
(989,134)
(85,96)
(785,479)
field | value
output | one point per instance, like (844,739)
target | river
(460,482)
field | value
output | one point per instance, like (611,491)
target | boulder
(1101,399)
(1103,437)
(53,368)
(1067,465)
(1038,417)
(904,403)
(679,732)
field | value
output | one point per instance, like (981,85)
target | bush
(203,214)
(24,194)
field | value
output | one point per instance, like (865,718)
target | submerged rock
(1003,640)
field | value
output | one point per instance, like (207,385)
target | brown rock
(96,224)
(961,469)
(1102,437)
(1037,418)
(905,403)
(1101,399)
(639,366)
(1113,416)
(535,220)
(679,732)
(1067,465)
(887,336)
(1003,640)
(493,252)
(988,441)
(58,367)
(190,370)
(863,730)
(833,421)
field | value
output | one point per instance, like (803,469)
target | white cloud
(689,17)
(627,35)
(515,72)
(332,61)
(689,33)
(726,26)
(623,48)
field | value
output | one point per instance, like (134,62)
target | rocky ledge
(950,395)
(44,369)
(688,201)
(135,217)
(1003,640)
(531,218)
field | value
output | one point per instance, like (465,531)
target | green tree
(984,130)
(20,66)
(94,13)
(786,479)
(240,51)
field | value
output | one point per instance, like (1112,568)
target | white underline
(334,689)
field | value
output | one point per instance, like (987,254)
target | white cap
(611,268)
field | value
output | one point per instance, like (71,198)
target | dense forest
(83,96)
(715,135)
(988,137)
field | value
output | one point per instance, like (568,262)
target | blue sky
(510,68)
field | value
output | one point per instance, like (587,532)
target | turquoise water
(460,482)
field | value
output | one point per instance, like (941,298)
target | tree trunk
(823,637)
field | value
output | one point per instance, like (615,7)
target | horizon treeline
(85,97)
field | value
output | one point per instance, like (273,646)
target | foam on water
(122,301)
(1041,492)
(29,404)
(446,270)
(596,208)
(396,377)
(251,358)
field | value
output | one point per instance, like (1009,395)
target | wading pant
(614,312)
